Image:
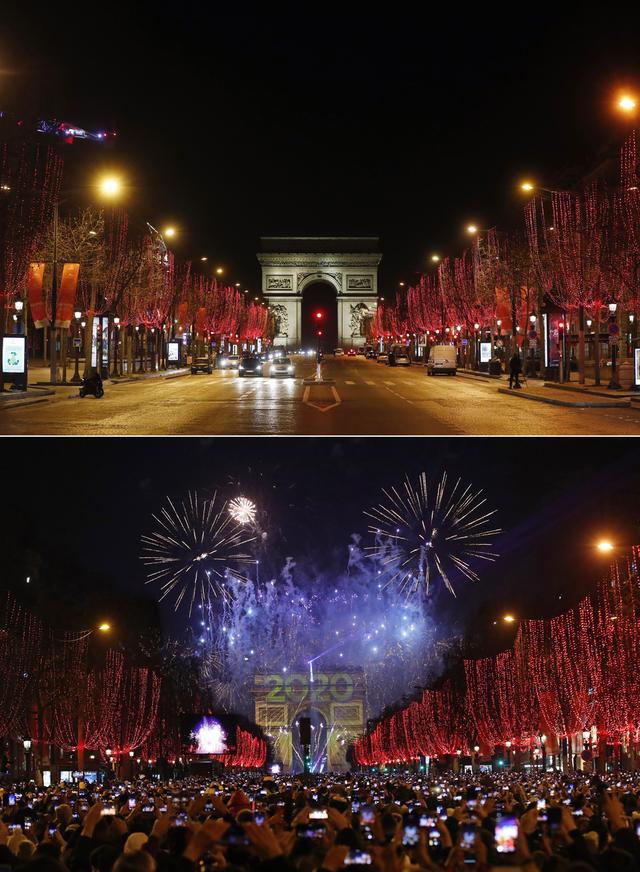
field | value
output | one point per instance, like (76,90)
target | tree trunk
(581,346)
(596,350)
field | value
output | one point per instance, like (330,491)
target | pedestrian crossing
(383,383)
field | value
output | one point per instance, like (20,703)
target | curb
(24,401)
(626,394)
(580,404)
(470,373)
(131,379)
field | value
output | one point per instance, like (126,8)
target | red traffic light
(319,332)
(319,315)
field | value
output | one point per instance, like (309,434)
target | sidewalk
(570,394)
(40,390)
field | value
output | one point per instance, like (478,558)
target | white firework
(242,510)
(194,548)
(422,534)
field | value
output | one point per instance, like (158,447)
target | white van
(442,358)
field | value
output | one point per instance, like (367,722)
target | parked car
(338,352)
(282,367)
(250,365)
(442,359)
(351,352)
(382,357)
(370,353)
(360,350)
(201,364)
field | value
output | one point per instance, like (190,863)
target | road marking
(389,383)
(399,395)
(349,382)
(370,383)
(321,407)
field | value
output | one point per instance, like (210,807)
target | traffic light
(318,315)
(319,333)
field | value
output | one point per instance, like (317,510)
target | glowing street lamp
(435,258)
(219,271)
(110,186)
(605,546)
(104,627)
(627,103)
(527,187)
(508,619)
(169,232)
(472,229)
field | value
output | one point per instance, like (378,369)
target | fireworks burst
(243,511)
(194,548)
(423,534)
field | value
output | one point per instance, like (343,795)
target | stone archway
(348,264)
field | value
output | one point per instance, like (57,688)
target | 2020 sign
(326,687)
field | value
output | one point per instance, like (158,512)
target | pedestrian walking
(515,368)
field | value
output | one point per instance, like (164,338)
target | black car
(201,364)
(250,365)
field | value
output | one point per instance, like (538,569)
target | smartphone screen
(132,802)
(108,810)
(358,858)
(318,814)
(468,842)
(367,814)
(506,835)
(411,835)
(259,817)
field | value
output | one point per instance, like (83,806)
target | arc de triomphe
(349,264)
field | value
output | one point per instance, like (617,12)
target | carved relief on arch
(306,278)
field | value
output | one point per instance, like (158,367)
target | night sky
(241,120)
(555,498)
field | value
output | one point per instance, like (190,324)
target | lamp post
(27,757)
(21,323)
(614,338)
(76,347)
(115,372)
(543,748)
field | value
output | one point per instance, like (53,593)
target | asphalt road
(367,398)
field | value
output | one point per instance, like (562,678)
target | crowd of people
(543,822)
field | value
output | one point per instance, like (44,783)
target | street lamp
(614,338)
(110,186)
(76,347)
(605,546)
(627,103)
(435,258)
(116,342)
(26,744)
(169,232)
(472,229)
(18,305)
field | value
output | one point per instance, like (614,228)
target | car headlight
(259,366)
(290,368)
(241,366)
